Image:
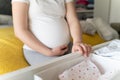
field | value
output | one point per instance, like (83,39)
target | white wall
(109,10)
(115,11)
(101,9)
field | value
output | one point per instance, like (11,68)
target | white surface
(101,9)
(115,11)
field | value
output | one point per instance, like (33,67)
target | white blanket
(94,68)
(85,70)
(112,50)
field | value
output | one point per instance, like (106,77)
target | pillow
(5,20)
(87,28)
(104,29)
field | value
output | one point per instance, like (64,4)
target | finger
(84,48)
(65,50)
(89,48)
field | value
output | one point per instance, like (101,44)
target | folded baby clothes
(112,50)
(86,70)
(108,67)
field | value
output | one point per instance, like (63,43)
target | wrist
(75,42)
(46,51)
(49,52)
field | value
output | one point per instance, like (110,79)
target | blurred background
(5,7)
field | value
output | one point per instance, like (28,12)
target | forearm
(21,28)
(76,31)
(73,23)
(29,39)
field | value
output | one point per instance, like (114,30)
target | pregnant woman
(45,28)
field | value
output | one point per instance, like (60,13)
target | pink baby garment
(86,70)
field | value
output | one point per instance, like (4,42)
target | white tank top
(47,21)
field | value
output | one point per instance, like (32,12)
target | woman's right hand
(60,50)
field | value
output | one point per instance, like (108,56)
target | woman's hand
(57,51)
(85,49)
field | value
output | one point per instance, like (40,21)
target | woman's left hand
(83,48)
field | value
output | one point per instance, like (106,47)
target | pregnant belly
(52,32)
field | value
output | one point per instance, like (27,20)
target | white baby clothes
(86,70)
(112,50)
(108,67)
